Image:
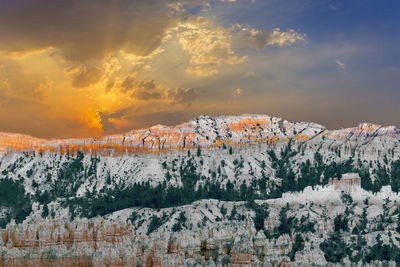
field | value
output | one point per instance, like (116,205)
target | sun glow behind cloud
(103,82)
(90,68)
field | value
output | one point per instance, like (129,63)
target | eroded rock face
(216,239)
(101,242)
(348,182)
(221,239)
(203,131)
(82,242)
(245,139)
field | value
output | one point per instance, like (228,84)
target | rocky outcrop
(99,242)
(237,150)
(203,131)
(114,240)
(348,182)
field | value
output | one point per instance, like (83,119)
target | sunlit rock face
(202,131)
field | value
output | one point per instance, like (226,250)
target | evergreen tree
(364,220)
(380,251)
(12,196)
(45,211)
(341,223)
(286,223)
(334,248)
(181,220)
(298,245)
(398,221)
(395,176)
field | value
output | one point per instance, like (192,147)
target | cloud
(149,54)
(340,64)
(107,119)
(110,85)
(209,47)
(183,95)
(17,83)
(111,66)
(81,30)
(23,115)
(131,83)
(260,39)
(41,88)
(237,92)
(141,90)
(150,90)
(128,84)
(86,76)
(146,85)
(141,94)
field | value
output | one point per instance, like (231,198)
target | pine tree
(297,246)
(334,248)
(395,176)
(45,211)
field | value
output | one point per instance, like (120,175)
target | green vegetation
(145,195)
(156,222)
(334,248)
(297,246)
(261,212)
(73,174)
(181,220)
(13,199)
(286,222)
(395,175)
(45,211)
(348,239)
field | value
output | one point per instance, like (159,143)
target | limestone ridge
(203,131)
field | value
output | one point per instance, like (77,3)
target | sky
(87,68)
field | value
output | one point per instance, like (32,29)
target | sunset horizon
(83,68)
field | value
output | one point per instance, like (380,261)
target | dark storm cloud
(128,84)
(146,85)
(131,83)
(145,95)
(183,95)
(121,113)
(85,29)
(139,89)
(149,90)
